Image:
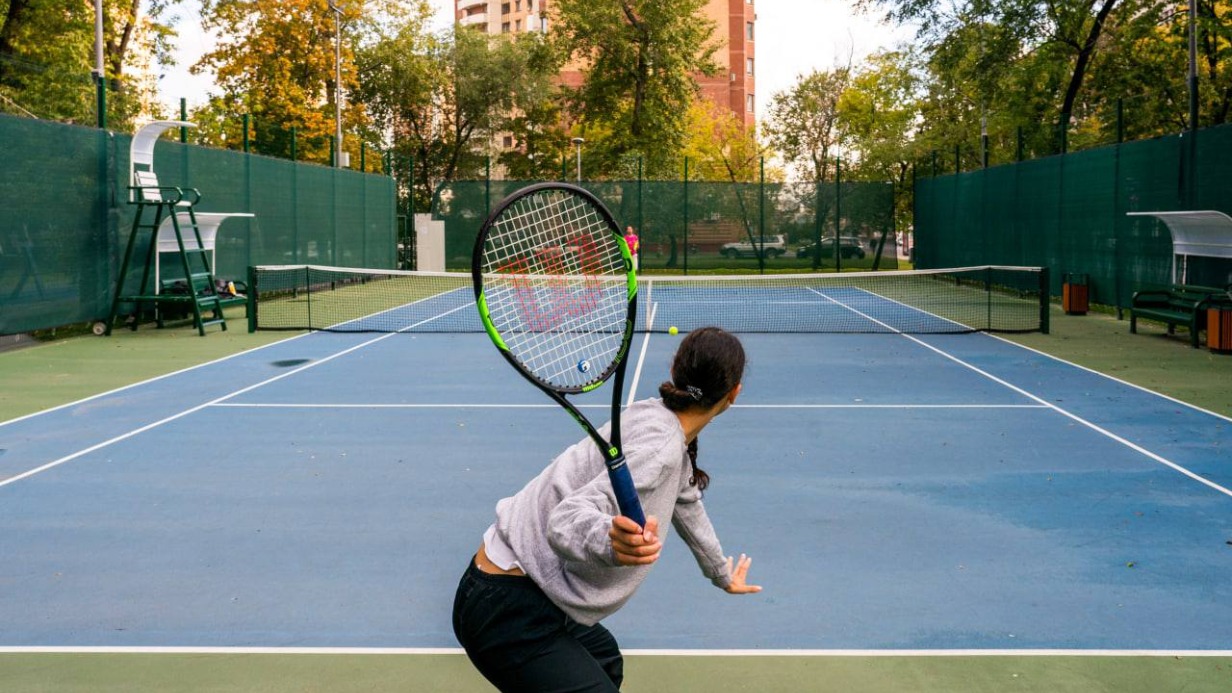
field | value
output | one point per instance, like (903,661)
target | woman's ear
(735,392)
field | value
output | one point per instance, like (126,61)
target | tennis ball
(672,330)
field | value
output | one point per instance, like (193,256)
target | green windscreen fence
(1069,213)
(714,227)
(65,217)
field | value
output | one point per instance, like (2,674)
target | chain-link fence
(714,227)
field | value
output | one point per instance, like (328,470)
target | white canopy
(1205,233)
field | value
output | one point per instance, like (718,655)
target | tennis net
(969,299)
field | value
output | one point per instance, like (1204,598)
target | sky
(794,37)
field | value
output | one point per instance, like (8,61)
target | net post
(1045,286)
(252,299)
(308,294)
(988,298)
(648,302)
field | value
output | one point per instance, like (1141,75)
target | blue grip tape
(626,492)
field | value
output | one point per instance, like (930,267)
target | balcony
(474,19)
(464,4)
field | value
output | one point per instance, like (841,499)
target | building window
(508,141)
(517,25)
(748,30)
(505,27)
(748,102)
(748,66)
(517,6)
(505,8)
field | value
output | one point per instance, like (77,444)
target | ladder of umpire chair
(198,290)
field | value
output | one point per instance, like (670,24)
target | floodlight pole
(100,74)
(1192,166)
(337,83)
(577,142)
(1193,64)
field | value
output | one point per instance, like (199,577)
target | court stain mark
(289,363)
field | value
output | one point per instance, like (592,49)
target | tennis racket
(556,290)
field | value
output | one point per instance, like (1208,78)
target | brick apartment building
(733,87)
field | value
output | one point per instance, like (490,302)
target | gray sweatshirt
(557,525)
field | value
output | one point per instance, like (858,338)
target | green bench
(1178,304)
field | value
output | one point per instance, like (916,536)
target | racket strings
(555,287)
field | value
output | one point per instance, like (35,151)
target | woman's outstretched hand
(634,545)
(740,575)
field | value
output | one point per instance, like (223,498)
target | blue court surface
(897,493)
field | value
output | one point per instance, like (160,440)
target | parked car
(774,246)
(849,247)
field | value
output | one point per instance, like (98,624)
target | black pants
(520,641)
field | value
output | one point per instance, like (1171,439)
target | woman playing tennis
(559,559)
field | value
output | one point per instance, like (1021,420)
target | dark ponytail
(707,366)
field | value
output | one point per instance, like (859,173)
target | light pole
(337,83)
(577,142)
(100,75)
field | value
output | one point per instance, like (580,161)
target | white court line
(641,358)
(340,405)
(152,380)
(455,405)
(105,649)
(856,405)
(1113,378)
(124,436)
(1094,427)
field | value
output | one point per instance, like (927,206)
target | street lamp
(337,83)
(577,142)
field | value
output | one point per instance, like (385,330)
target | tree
(1062,38)
(47,56)
(276,63)
(639,59)
(880,112)
(445,96)
(803,122)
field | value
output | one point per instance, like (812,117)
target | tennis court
(902,495)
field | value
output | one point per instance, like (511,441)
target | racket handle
(626,492)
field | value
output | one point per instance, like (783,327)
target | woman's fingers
(739,571)
(632,544)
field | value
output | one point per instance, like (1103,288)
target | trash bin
(1074,294)
(1219,329)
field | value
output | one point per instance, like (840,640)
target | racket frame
(613,456)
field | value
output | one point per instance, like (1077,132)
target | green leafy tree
(803,122)
(880,111)
(639,59)
(446,96)
(1020,58)
(47,56)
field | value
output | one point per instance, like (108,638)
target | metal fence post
(686,215)
(761,215)
(838,213)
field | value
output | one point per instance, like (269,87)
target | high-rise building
(733,87)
